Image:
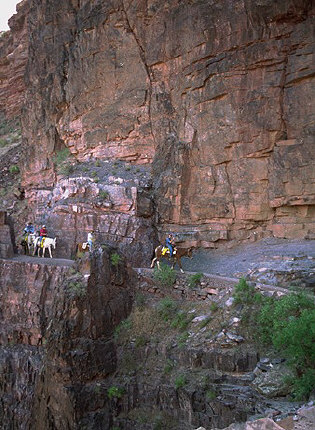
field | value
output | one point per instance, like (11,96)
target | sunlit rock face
(13,59)
(217,96)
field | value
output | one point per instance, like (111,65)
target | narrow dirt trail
(238,261)
(39,260)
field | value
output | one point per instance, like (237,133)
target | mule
(82,247)
(28,242)
(48,243)
(176,257)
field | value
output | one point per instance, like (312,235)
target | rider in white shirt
(90,239)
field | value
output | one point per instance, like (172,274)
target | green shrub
(103,195)
(180,381)
(14,169)
(98,163)
(304,385)
(289,324)
(165,276)
(182,338)
(77,289)
(194,280)
(115,392)
(115,259)
(61,156)
(211,395)
(181,320)
(166,308)
(245,294)
(214,307)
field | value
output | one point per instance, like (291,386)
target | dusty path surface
(40,260)
(236,262)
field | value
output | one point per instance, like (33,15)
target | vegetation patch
(182,320)
(182,339)
(245,294)
(115,259)
(165,276)
(76,288)
(14,169)
(167,307)
(180,381)
(103,194)
(288,324)
(211,395)
(115,392)
(194,280)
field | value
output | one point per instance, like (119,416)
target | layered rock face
(56,344)
(218,96)
(119,214)
(13,59)
(6,245)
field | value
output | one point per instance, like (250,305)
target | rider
(169,243)
(29,229)
(90,239)
(42,234)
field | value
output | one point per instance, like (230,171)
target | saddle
(165,251)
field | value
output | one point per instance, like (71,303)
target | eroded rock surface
(56,339)
(219,97)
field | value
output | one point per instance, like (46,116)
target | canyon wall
(56,344)
(13,59)
(216,97)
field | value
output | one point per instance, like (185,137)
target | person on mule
(42,235)
(90,239)
(170,243)
(29,229)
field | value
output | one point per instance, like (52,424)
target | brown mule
(176,258)
(82,248)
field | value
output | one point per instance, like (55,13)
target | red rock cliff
(13,59)
(218,96)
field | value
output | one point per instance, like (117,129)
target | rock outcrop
(56,340)
(218,98)
(13,61)
(6,244)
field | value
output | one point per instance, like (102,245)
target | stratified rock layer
(56,339)
(218,96)
(13,59)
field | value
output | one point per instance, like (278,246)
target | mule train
(33,242)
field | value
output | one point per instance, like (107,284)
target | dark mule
(176,258)
(25,247)
(27,242)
